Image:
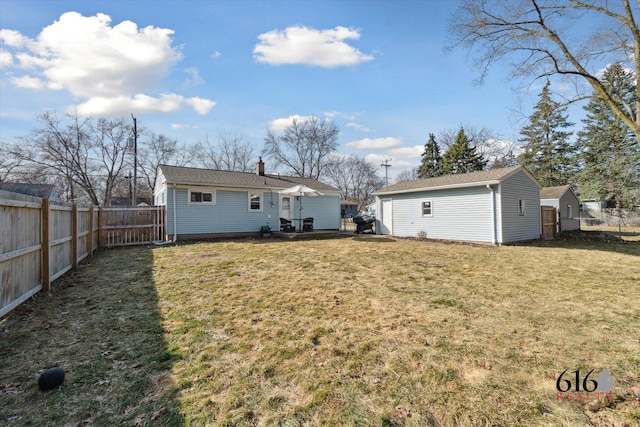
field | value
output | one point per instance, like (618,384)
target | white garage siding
(496,206)
(457,214)
(516,226)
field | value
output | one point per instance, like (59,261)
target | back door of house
(285,207)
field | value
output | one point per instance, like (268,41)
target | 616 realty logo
(573,385)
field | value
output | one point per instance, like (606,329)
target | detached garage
(494,206)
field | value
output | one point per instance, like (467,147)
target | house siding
(230,213)
(566,223)
(517,227)
(457,214)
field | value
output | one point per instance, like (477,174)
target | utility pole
(135,161)
(386,165)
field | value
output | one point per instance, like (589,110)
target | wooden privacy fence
(549,218)
(131,226)
(42,240)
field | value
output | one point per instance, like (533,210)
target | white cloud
(375,144)
(6,58)
(194,77)
(337,114)
(141,103)
(407,152)
(28,82)
(201,105)
(111,68)
(283,123)
(13,38)
(359,127)
(304,45)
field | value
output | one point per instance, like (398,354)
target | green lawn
(348,331)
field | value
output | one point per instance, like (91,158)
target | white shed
(565,200)
(495,206)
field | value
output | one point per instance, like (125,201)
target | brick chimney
(260,167)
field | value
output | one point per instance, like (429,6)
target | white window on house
(204,197)
(255,202)
(521,206)
(569,211)
(426,208)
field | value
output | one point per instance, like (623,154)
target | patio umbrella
(301,191)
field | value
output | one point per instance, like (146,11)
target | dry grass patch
(352,331)
(397,332)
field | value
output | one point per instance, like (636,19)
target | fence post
(46,268)
(100,226)
(74,236)
(90,236)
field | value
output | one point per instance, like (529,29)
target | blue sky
(195,69)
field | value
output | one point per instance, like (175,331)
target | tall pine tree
(461,157)
(608,152)
(431,164)
(548,154)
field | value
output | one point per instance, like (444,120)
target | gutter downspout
(493,214)
(175,216)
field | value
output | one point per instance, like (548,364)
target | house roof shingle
(554,192)
(44,191)
(197,176)
(454,180)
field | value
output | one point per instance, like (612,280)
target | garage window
(521,206)
(426,208)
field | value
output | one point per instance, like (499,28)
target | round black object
(51,378)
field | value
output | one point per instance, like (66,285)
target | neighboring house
(566,202)
(44,191)
(204,203)
(495,206)
(126,201)
(348,208)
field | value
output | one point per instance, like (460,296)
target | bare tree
(83,156)
(303,147)
(9,163)
(541,40)
(498,152)
(408,175)
(355,177)
(229,152)
(158,150)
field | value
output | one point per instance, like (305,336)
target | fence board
(549,218)
(131,226)
(41,240)
(20,249)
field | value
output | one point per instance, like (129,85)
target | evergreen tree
(609,154)
(548,155)
(431,159)
(461,157)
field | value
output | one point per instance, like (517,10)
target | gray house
(203,203)
(43,191)
(565,200)
(348,208)
(495,206)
